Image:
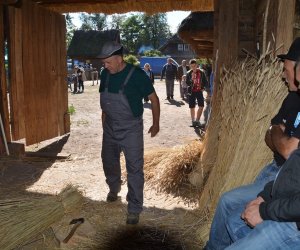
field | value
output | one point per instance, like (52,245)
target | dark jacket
(282,196)
(190,83)
(180,72)
(151,75)
(170,71)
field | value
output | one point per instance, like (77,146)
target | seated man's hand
(251,214)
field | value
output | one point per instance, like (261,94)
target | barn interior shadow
(158,228)
(17,174)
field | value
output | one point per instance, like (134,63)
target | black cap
(294,51)
(109,49)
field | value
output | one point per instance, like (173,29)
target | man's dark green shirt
(138,86)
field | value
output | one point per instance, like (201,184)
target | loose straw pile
(168,169)
(22,219)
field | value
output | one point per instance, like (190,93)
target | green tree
(70,29)
(116,21)
(155,29)
(131,59)
(153,53)
(93,21)
(130,32)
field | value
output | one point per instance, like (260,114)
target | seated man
(281,142)
(272,220)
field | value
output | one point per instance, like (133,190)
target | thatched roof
(123,6)
(174,39)
(197,30)
(88,44)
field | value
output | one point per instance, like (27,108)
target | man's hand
(153,130)
(155,114)
(251,214)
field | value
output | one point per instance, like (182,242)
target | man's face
(169,61)
(183,63)
(113,63)
(288,74)
(193,66)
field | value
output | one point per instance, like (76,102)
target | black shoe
(168,98)
(172,97)
(111,197)
(133,218)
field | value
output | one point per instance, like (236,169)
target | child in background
(184,86)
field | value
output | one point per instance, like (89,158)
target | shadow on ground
(104,226)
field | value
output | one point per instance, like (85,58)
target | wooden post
(3,83)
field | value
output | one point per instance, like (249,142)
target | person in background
(182,70)
(169,70)
(208,99)
(184,87)
(282,138)
(75,79)
(196,81)
(147,69)
(80,76)
(122,88)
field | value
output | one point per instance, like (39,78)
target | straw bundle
(123,6)
(22,219)
(250,97)
(168,169)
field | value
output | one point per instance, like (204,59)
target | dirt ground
(83,167)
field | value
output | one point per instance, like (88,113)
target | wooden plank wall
(285,18)
(3,86)
(246,28)
(280,16)
(41,78)
(16,74)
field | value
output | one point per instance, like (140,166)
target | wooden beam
(203,39)
(51,2)
(3,79)
(205,46)
(8,2)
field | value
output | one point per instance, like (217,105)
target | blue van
(156,63)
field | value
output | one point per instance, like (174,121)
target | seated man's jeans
(232,204)
(270,235)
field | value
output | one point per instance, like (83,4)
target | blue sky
(174,19)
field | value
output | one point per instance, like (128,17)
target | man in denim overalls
(122,89)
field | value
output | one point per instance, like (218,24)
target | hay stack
(22,219)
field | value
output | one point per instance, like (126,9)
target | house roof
(174,39)
(197,21)
(197,30)
(88,44)
(123,6)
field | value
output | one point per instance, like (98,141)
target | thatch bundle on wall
(248,93)
(123,6)
(24,218)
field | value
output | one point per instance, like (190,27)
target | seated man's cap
(293,53)
(109,49)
